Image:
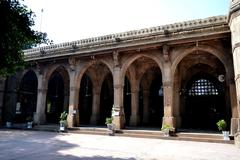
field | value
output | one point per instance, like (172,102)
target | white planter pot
(29,125)
(62,126)
(8,124)
(111,128)
(166,132)
(225,135)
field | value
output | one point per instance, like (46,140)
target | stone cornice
(127,39)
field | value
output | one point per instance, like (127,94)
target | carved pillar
(234,23)
(95,105)
(168,95)
(119,117)
(40,116)
(145,105)
(134,119)
(73,116)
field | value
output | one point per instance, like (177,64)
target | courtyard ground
(39,145)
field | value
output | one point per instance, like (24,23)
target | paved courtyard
(38,145)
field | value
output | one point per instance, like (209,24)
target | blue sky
(69,20)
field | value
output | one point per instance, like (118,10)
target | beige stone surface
(29,145)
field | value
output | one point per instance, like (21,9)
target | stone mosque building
(184,74)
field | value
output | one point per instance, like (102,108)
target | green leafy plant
(29,119)
(109,120)
(167,127)
(63,116)
(222,125)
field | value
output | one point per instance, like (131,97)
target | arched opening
(151,98)
(143,93)
(106,100)
(203,92)
(57,95)
(27,97)
(85,100)
(96,95)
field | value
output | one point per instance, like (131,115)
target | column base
(169,121)
(235,124)
(237,139)
(134,120)
(39,118)
(119,122)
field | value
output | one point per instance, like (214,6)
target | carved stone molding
(116,58)
(166,53)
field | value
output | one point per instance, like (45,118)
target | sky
(70,20)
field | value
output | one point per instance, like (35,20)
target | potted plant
(9,119)
(63,121)
(222,126)
(167,130)
(110,125)
(29,120)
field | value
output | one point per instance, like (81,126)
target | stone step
(197,137)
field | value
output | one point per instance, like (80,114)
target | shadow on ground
(37,145)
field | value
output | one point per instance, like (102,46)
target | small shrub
(109,120)
(63,116)
(222,125)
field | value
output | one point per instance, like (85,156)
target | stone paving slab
(38,145)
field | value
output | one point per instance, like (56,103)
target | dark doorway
(85,100)
(127,101)
(27,97)
(106,99)
(55,98)
(156,102)
(205,103)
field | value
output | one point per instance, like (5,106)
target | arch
(152,55)
(205,48)
(57,93)
(27,96)
(86,66)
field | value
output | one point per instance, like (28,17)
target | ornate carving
(116,58)
(166,53)
(72,63)
(39,68)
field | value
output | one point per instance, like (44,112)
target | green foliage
(16,34)
(63,116)
(29,119)
(109,120)
(222,125)
(166,126)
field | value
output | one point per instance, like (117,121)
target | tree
(16,34)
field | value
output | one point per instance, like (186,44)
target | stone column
(234,23)
(134,119)
(73,116)
(40,117)
(119,117)
(95,105)
(168,95)
(145,105)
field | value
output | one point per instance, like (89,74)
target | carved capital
(116,58)
(166,53)
(72,63)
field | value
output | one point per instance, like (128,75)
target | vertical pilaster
(95,105)
(168,95)
(234,23)
(40,116)
(119,117)
(73,116)
(134,119)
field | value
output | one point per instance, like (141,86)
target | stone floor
(38,145)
